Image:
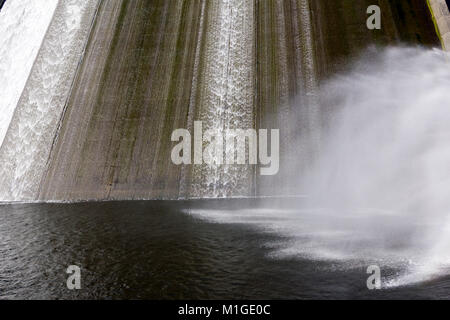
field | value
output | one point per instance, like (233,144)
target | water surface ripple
(154,250)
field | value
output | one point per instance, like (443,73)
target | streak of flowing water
(23,24)
(227,96)
(27,144)
(379,191)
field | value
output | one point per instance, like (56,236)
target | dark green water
(154,250)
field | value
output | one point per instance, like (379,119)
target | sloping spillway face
(155,66)
(152,67)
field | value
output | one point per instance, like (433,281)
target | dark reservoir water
(156,250)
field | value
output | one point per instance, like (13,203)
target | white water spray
(386,159)
(380,190)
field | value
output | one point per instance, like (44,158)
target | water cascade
(28,141)
(226,99)
(22,25)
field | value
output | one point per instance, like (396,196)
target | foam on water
(379,192)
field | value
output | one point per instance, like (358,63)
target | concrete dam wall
(150,67)
(440,10)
